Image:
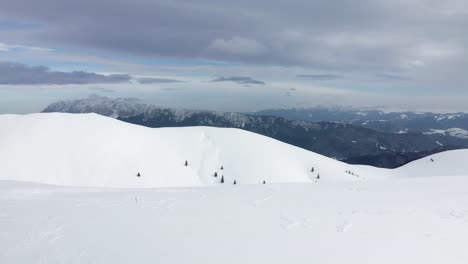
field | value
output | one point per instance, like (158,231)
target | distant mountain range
(335,139)
(452,124)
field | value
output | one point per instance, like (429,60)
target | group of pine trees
(214,175)
(318,174)
(222,176)
(351,173)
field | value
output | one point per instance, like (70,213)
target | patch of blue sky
(15,25)
(166,61)
(72,66)
(14,55)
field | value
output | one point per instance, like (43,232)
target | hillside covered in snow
(56,205)
(97,151)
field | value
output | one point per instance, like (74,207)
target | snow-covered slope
(92,150)
(448,163)
(341,218)
(405,221)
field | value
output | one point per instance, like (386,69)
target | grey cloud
(239,79)
(320,76)
(418,38)
(17,73)
(156,80)
(251,31)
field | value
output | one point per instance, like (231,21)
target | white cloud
(7,47)
(3,47)
(438,51)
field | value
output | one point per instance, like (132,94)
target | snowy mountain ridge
(117,107)
(384,121)
(454,132)
(93,150)
(127,107)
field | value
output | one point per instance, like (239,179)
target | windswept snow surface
(352,214)
(405,221)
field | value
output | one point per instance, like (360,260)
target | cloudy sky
(236,55)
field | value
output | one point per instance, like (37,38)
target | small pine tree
(138,175)
(222,179)
(186,163)
(264,182)
(216,174)
(222,167)
(235,182)
(318,176)
(312,170)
